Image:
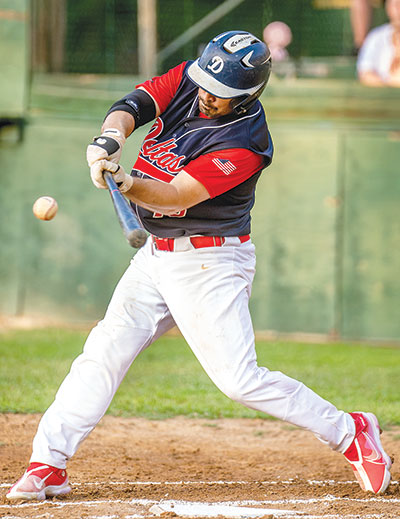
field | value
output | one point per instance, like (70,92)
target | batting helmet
(235,64)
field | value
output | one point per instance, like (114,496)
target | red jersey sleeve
(163,88)
(220,171)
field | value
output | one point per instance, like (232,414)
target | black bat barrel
(133,232)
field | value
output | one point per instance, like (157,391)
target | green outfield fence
(327,218)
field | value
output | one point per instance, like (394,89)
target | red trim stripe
(152,171)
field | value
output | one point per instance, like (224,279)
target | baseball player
(192,186)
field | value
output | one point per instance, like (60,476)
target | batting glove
(123,181)
(107,146)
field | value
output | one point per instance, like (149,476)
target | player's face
(212,106)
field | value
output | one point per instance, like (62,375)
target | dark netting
(101,36)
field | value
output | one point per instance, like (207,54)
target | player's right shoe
(40,481)
(366,456)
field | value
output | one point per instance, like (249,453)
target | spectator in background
(277,35)
(378,62)
(361,17)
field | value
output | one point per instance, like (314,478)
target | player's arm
(145,103)
(182,192)
(131,112)
(360,15)
(139,107)
(205,177)
(370,78)
(122,119)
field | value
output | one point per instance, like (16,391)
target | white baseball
(45,208)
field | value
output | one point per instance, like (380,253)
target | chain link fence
(101,36)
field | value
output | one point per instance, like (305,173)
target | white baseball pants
(206,293)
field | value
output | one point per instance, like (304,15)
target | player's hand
(123,180)
(107,146)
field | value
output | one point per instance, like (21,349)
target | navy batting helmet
(235,64)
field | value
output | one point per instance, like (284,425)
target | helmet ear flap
(244,103)
(237,104)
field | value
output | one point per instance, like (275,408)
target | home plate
(187,509)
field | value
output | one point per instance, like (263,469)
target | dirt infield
(129,465)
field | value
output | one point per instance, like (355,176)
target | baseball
(45,208)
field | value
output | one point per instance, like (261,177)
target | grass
(167,380)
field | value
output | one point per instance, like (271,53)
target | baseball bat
(131,228)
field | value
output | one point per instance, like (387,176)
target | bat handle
(131,228)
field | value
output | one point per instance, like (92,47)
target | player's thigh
(208,297)
(136,303)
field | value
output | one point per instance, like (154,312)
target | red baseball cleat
(40,481)
(366,456)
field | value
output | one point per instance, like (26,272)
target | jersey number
(179,214)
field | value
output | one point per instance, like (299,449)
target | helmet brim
(214,87)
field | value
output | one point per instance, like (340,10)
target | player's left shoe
(40,481)
(366,456)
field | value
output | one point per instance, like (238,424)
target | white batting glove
(107,146)
(123,180)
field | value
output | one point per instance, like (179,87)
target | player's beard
(207,110)
(211,111)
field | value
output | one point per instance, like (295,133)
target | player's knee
(245,388)
(235,395)
(237,391)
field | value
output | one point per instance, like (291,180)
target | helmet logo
(216,64)
(246,59)
(239,41)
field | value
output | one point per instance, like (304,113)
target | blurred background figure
(277,35)
(378,62)
(361,16)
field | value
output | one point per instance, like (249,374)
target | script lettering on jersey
(160,153)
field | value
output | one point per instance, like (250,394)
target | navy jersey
(178,137)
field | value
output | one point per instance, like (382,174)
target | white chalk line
(251,502)
(382,500)
(289,514)
(235,509)
(291,481)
